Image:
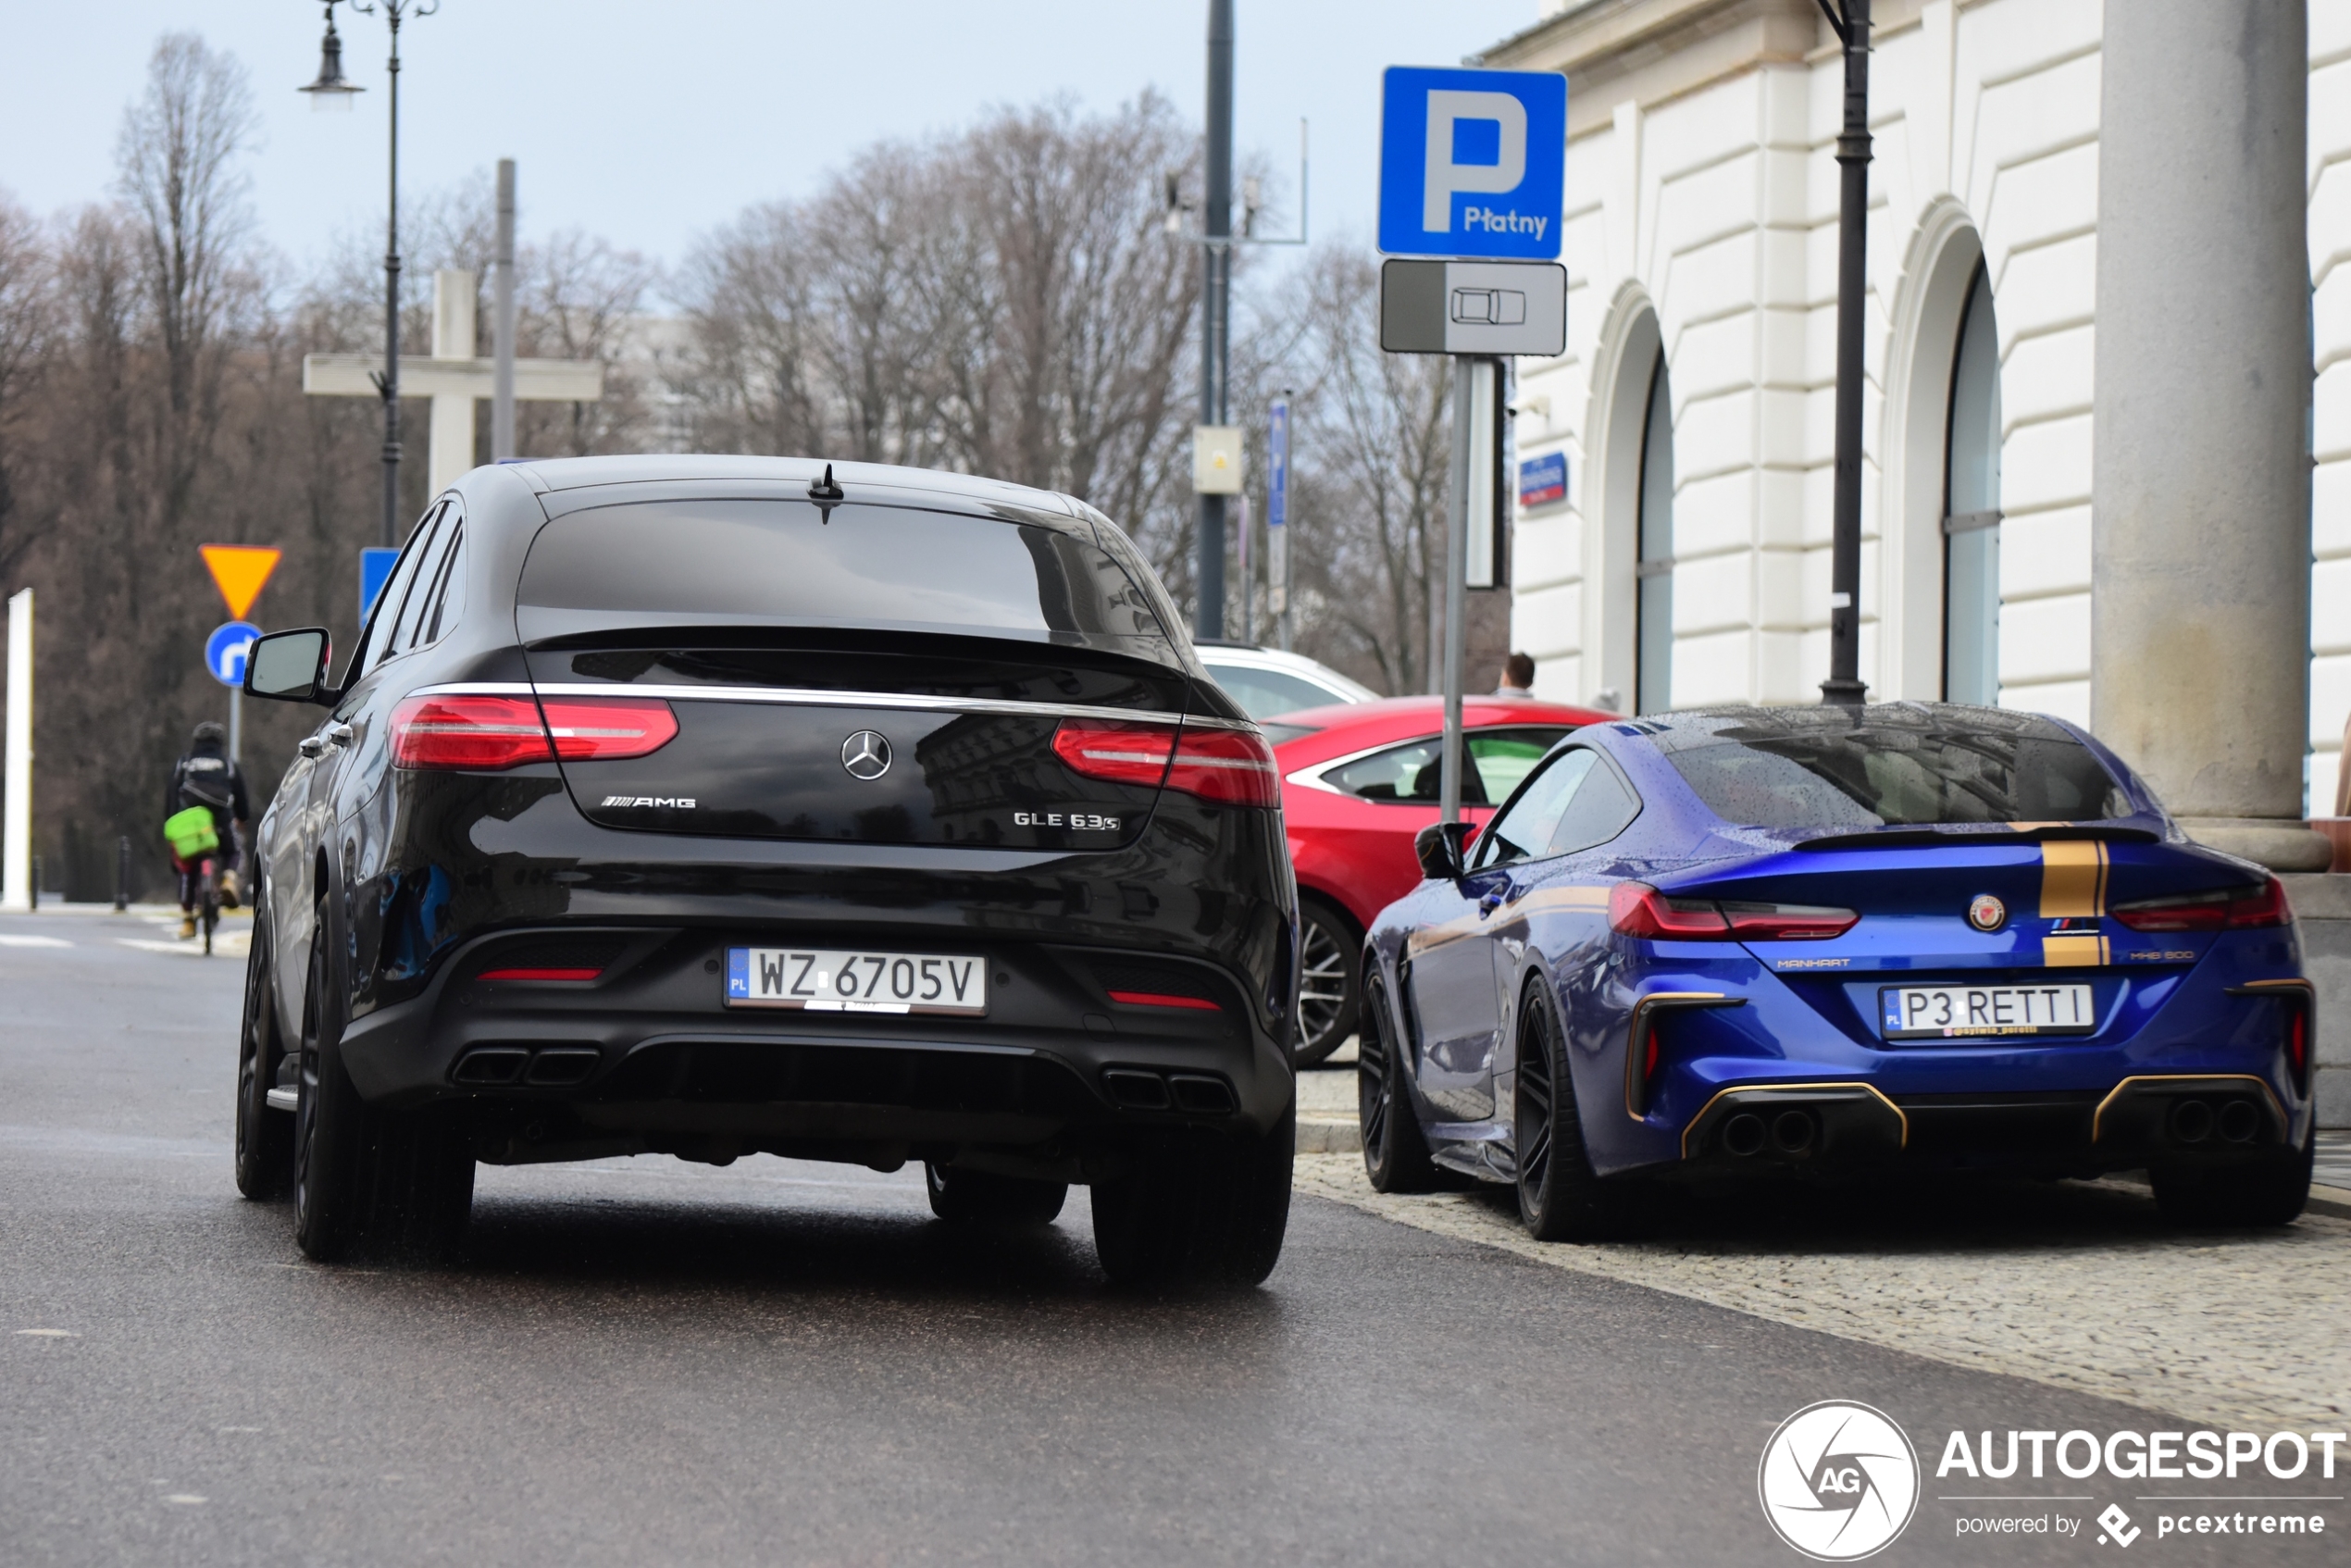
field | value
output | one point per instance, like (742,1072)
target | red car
(1358,780)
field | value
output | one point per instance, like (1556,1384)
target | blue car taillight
(1635,909)
(2246,908)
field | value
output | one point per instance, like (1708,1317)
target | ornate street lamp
(331,92)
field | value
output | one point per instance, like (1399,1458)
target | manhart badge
(1839,1481)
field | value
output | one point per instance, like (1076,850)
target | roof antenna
(825,489)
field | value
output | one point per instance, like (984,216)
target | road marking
(240,1428)
(33,941)
(225,944)
(50,1333)
(2245,1331)
(185,1496)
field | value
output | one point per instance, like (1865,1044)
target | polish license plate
(843,981)
(1967,1012)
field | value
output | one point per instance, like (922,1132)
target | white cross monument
(453,377)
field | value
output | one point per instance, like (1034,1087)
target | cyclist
(207,777)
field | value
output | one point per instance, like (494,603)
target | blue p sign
(1472,163)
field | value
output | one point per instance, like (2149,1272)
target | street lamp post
(331,92)
(1843,684)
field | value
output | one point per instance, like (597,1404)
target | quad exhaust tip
(2235,1121)
(1791,1132)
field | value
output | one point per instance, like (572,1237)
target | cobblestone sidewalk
(2079,1285)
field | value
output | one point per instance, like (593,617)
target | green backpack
(192,832)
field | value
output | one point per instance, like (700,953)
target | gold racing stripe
(2073,951)
(2074,886)
(2072,879)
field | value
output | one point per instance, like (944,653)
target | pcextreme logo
(1838,1481)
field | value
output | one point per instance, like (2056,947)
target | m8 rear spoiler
(1991,833)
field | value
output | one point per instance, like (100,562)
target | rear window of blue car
(1846,769)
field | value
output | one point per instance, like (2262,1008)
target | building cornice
(1651,51)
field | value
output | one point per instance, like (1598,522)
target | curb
(1329,1137)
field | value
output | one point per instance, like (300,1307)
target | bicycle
(194,852)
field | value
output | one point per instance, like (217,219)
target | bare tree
(26,332)
(1001,302)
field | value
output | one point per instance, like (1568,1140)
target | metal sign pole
(1456,590)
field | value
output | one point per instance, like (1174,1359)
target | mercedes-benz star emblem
(865,754)
(1986,913)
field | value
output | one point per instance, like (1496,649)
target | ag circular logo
(1839,1481)
(1987,914)
(865,754)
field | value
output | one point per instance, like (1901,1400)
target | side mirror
(290,667)
(1439,847)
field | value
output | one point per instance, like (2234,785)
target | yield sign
(239,570)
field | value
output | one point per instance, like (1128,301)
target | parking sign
(1472,163)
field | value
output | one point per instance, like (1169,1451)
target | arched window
(1972,508)
(1653,666)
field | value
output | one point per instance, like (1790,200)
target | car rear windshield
(704,562)
(1851,770)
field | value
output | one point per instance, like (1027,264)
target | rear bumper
(1058,1078)
(2155,1118)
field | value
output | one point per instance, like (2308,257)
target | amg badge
(666,802)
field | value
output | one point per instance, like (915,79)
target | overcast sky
(652,121)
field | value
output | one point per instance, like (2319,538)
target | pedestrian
(1518,677)
(207,777)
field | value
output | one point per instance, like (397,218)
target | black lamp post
(1843,684)
(331,92)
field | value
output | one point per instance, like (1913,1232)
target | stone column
(2200,538)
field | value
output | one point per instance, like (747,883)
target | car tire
(265,1137)
(333,1135)
(1196,1215)
(2246,1196)
(1394,1152)
(983,1198)
(1559,1196)
(392,1181)
(1329,982)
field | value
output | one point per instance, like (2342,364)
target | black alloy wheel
(2270,1189)
(330,1131)
(265,1137)
(1329,982)
(1560,1198)
(1395,1152)
(400,1182)
(983,1198)
(1195,1215)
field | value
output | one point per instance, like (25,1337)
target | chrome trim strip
(813,697)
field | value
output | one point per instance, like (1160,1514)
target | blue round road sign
(225,651)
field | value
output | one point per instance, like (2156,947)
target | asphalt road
(645,1361)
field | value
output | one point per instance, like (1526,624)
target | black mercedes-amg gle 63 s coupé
(721,806)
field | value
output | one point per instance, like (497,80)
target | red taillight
(476,733)
(1232,766)
(1787,922)
(601,728)
(2216,909)
(1638,909)
(1122,753)
(538,974)
(487,734)
(1161,999)
(2297,1042)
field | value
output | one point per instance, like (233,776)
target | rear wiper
(1991,833)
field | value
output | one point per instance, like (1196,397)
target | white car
(1265,681)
